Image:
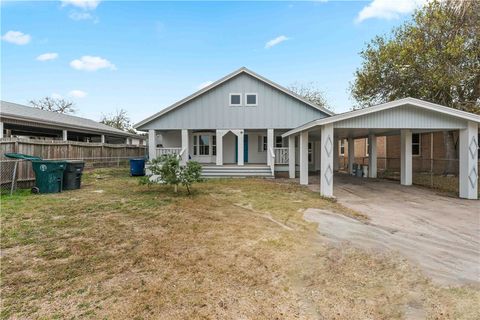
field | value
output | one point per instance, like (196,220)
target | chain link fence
(439,174)
(18,174)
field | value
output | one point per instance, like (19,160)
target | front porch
(226,148)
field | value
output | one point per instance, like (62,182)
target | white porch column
(240,155)
(372,156)
(351,154)
(219,137)
(102,138)
(468,157)
(185,154)
(1,130)
(326,163)
(64,135)
(406,157)
(152,146)
(291,157)
(304,157)
(336,160)
(269,146)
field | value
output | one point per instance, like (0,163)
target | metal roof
(224,79)
(20,112)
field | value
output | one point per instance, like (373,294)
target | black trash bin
(72,176)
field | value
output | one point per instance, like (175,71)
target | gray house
(244,124)
(238,120)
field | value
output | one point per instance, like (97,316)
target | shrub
(167,169)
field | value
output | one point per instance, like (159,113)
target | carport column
(291,157)
(335,155)
(372,156)
(270,159)
(65,135)
(351,154)
(1,130)
(468,161)
(152,146)
(406,157)
(219,137)
(304,157)
(240,160)
(326,163)
(102,138)
(184,159)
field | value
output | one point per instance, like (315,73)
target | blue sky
(144,56)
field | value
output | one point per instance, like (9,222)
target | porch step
(236,171)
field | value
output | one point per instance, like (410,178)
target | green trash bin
(72,176)
(48,175)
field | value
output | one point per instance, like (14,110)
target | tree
(167,169)
(119,120)
(310,93)
(434,57)
(58,105)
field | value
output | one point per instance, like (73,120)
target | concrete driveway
(438,233)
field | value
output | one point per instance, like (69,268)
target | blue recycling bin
(137,167)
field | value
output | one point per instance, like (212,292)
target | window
(262,143)
(251,99)
(366,148)
(235,99)
(342,147)
(214,145)
(201,145)
(416,141)
(278,142)
(310,152)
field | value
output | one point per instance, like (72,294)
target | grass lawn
(235,249)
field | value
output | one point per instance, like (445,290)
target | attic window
(235,99)
(251,99)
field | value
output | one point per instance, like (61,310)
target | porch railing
(281,155)
(162,151)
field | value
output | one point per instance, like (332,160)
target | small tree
(58,105)
(169,171)
(119,120)
(310,93)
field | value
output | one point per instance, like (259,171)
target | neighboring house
(26,122)
(245,124)
(239,119)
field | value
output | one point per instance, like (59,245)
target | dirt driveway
(440,234)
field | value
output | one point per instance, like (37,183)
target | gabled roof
(385,106)
(20,112)
(224,79)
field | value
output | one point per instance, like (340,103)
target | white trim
(224,79)
(341,143)
(256,99)
(385,106)
(230,99)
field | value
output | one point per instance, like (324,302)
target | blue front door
(245,148)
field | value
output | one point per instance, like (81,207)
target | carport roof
(385,106)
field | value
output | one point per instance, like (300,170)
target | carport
(403,117)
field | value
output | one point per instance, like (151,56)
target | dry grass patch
(235,249)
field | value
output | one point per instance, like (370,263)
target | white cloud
(16,37)
(77,94)
(56,95)
(89,63)
(275,41)
(83,4)
(47,56)
(204,84)
(80,16)
(388,9)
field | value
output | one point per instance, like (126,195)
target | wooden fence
(91,153)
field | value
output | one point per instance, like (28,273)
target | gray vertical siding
(407,116)
(212,111)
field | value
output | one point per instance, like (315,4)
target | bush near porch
(236,248)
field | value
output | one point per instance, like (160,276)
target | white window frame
(367,154)
(230,99)
(310,152)
(341,145)
(276,142)
(196,147)
(263,145)
(256,99)
(419,145)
